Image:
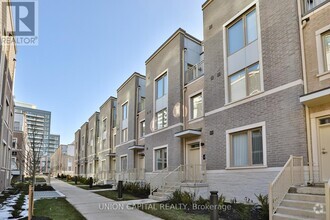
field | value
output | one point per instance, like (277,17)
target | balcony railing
(194,72)
(132,175)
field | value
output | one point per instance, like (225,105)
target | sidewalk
(93,206)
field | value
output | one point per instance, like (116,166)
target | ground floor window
(247,148)
(123,163)
(160,158)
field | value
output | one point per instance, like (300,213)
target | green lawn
(94,187)
(113,194)
(169,214)
(56,209)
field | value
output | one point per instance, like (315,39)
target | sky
(88,48)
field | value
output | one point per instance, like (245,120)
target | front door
(193,167)
(324,132)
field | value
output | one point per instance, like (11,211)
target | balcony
(194,72)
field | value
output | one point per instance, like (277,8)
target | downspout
(302,25)
(184,117)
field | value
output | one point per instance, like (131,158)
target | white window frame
(322,73)
(225,51)
(154,154)
(122,133)
(191,107)
(140,128)
(156,87)
(244,128)
(125,103)
(156,119)
(121,156)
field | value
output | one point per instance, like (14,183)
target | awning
(111,154)
(316,98)
(188,133)
(136,147)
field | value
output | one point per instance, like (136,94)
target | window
(123,163)
(247,148)
(326,50)
(311,4)
(142,103)
(161,117)
(196,106)
(161,86)
(160,159)
(104,125)
(243,32)
(114,116)
(114,140)
(244,83)
(142,128)
(124,111)
(124,135)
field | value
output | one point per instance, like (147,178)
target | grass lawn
(94,187)
(170,214)
(56,209)
(113,194)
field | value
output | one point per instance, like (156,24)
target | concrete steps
(164,193)
(302,203)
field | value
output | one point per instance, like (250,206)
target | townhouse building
(107,132)
(83,161)
(314,19)
(62,160)
(129,151)
(253,80)
(92,145)
(77,154)
(7,76)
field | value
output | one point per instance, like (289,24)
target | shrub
(138,189)
(44,187)
(263,206)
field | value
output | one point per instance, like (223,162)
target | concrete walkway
(93,206)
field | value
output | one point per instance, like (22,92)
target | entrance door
(324,130)
(193,167)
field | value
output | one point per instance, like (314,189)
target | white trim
(155,100)
(309,14)
(196,120)
(315,95)
(128,142)
(139,130)
(260,95)
(201,91)
(164,129)
(225,48)
(243,128)
(153,156)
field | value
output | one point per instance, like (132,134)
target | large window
(196,106)
(161,86)
(124,135)
(161,117)
(243,32)
(311,4)
(142,128)
(244,83)
(123,163)
(124,111)
(326,50)
(104,125)
(247,148)
(160,159)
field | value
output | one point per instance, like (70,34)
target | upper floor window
(242,32)
(124,135)
(326,50)
(124,111)
(244,83)
(196,106)
(311,4)
(114,116)
(104,124)
(161,118)
(142,128)
(161,86)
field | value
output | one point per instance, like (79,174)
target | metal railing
(327,199)
(292,174)
(194,72)
(132,175)
(157,181)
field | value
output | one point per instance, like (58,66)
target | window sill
(246,168)
(323,76)
(159,129)
(196,119)
(243,99)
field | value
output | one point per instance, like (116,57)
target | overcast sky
(88,48)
